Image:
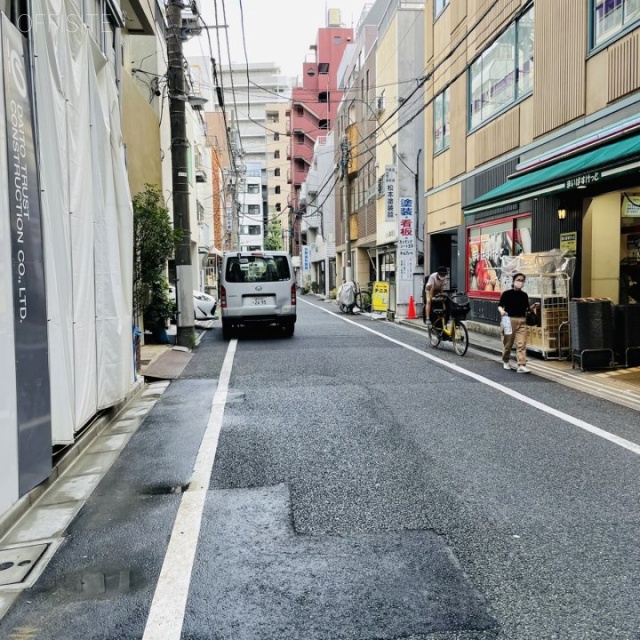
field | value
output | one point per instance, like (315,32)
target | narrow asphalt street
(349,483)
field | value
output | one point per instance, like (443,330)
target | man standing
(435,284)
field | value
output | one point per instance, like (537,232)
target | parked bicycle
(350,297)
(363,299)
(448,310)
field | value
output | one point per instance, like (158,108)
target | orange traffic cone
(412,309)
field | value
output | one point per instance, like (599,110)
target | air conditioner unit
(379,104)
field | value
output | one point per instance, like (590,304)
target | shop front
(583,203)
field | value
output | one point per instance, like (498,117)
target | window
(324,124)
(276,136)
(253,188)
(276,172)
(323,97)
(323,68)
(299,138)
(254,209)
(277,189)
(487,244)
(257,268)
(610,17)
(337,40)
(276,154)
(441,121)
(439,6)
(250,230)
(278,207)
(503,73)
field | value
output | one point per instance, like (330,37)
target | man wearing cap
(435,284)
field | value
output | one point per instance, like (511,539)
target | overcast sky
(279,31)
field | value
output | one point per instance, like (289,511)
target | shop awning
(581,170)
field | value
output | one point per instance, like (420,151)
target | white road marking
(601,433)
(166,615)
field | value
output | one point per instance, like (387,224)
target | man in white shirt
(435,284)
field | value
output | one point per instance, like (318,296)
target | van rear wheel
(289,329)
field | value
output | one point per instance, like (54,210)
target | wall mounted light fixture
(562,214)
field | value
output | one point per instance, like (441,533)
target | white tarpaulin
(88,221)
(113,217)
(51,68)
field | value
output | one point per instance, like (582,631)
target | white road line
(166,615)
(601,433)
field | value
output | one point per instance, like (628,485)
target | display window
(487,243)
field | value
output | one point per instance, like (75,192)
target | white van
(257,288)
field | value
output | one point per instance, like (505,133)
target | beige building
(532,142)
(278,157)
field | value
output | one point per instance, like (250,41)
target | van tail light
(293,295)
(223,297)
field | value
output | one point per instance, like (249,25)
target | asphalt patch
(261,581)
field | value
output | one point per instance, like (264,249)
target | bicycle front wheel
(460,339)
(435,333)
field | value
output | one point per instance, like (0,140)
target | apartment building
(277,163)
(314,105)
(533,141)
(318,260)
(250,219)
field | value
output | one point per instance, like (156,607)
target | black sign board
(27,259)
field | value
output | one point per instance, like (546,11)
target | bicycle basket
(460,306)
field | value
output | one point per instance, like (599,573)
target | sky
(279,31)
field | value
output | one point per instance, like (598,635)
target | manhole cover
(16,563)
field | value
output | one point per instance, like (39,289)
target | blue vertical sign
(306,258)
(33,390)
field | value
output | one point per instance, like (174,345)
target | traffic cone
(412,309)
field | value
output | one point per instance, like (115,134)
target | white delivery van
(257,288)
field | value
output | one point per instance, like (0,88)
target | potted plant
(154,242)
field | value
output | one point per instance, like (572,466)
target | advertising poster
(569,242)
(390,193)
(486,248)
(380,296)
(406,240)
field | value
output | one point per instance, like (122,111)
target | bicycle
(363,299)
(448,310)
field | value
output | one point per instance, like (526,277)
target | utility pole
(180,175)
(344,166)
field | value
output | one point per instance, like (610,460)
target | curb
(84,439)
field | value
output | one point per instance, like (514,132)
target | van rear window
(257,269)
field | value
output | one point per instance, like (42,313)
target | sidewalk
(162,355)
(621,386)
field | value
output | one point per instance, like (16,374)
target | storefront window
(486,244)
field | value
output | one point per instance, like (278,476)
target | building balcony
(299,176)
(303,151)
